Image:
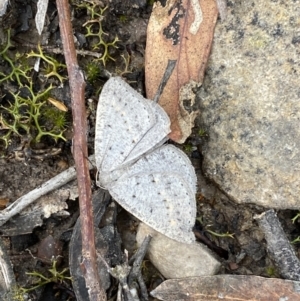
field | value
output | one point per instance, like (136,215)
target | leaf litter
(219,213)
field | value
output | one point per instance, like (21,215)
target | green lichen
(95,33)
(29,115)
(295,217)
(127,69)
(54,276)
(25,116)
(227,234)
(18,294)
(52,66)
(18,68)
(296,240)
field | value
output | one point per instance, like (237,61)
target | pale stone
(177,260)
(250,104)
(3,7)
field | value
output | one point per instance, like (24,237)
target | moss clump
(202,133)
(188,148)
(92,70)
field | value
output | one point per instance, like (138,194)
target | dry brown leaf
(61,106)
(3,202)
(181,30)
(228,288)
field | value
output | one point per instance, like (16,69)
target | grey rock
(177,260)
(250,104)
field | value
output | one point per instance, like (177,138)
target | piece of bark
(183,31)
(279,247)
(100,201)
(56,182)
(32,216)
(228,288)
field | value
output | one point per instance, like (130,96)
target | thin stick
(279,246)
(77,86)
(54,183)
(136,272)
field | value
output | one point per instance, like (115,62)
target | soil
(26,163)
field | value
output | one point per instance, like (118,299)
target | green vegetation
(188,148)
(123,18)
(30,115)
(295,217)
(25,110)
(18,66)
(150,2)
(271,272)
(202,133)
(296,240)
(54,276)
(52,65)
(95,33)
(227,234)
(92,70)
(127,69)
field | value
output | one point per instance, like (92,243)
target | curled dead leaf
(183,31)
(58,104)
(228,288)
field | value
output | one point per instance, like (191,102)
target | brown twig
(77,86)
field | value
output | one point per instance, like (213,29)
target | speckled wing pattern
(127,125)
(160,189)
(154,182)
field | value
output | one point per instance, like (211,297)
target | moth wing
(127,126)
(159,189)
